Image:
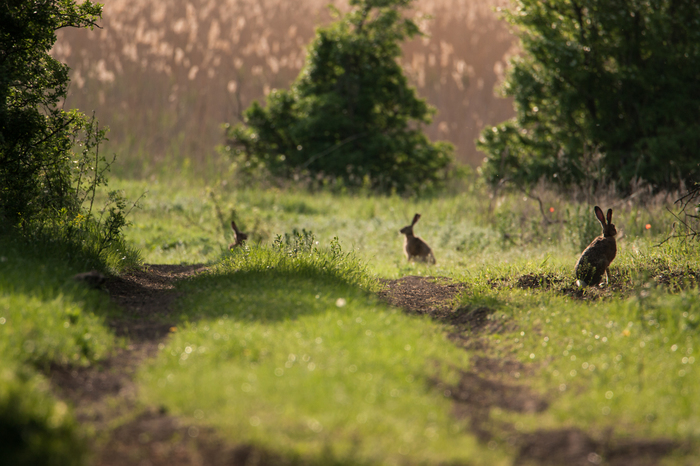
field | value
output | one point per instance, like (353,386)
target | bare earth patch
(105,396)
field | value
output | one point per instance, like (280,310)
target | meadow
(284,344)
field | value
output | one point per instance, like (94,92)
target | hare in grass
(238,236)
(598,256)
(414,247)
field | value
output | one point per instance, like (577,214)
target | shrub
(605,93)
(36,134)
(350,115)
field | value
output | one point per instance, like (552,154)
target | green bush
(605,94)
(36,133)
(350,115)
(50,163)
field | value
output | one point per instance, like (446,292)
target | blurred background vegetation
(165,76)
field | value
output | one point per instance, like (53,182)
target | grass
(284,345)
(313,366)
(618,362)
(469,233)
(46,319)
(278,309)
(46,316)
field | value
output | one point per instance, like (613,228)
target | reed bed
(164,76)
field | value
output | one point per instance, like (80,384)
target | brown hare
(414,247)
(598,256)
(238,236)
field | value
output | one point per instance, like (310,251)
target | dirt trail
(106,394)
(495,383)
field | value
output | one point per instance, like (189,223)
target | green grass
(469,232)
(36,427)
(628,365)
(620,362)
(46,319)
(258,315)
(284,345)
(290,351)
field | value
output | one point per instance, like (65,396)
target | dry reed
(164,76)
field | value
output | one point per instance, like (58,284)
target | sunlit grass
(47,319)
(277,313)
(293,353)
(469,233)
(626,364)
(621,363)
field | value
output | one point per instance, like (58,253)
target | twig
(547,221)
(684,201)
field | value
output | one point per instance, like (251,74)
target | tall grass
(164,78)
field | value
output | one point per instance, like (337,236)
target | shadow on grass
(266,295)
(43,265)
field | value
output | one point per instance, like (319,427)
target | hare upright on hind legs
(414,247)
(238,236)
(597,257)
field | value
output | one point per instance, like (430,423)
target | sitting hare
(596,258)
(414,247)
(238,237)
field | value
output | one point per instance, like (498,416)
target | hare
(414,247)
(238,236)
(598,256)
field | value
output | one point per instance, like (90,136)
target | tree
(36,134)
(606,92)
(350,114)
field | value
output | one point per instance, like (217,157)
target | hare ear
(415,219)
(599,214)
(233,226)
(609,216)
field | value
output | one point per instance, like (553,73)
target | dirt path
(493,383)
(106,395)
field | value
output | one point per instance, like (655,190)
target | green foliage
(605,93)
(350,115)
(50,162)
(36,134)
